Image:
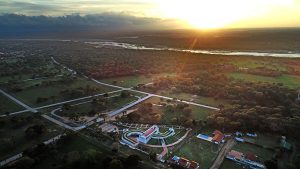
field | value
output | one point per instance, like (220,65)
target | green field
(49,70)
(194,98)
(287,80)
(228,164)
(8,106)
(198,113)
(14,132)
(31,94)
(252,64)
(128,81)
(132,81)
(198,150)
(266,140)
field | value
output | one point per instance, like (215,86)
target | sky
(190,13)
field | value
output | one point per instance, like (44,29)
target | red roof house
(218,136)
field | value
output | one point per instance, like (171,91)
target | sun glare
(215,13)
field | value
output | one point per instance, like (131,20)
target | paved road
(61,103)
(19,102)
(221,156)
(115,113)
(130,89)
(78,99)
(155,95)
(187,102)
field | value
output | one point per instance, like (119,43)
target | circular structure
(134,137)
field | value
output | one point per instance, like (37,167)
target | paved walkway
(115,113)
(173,144)
(223,152)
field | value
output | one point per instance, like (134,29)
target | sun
(209,13)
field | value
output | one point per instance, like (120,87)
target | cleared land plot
(8,106)
(197,150)
(198,113)
(13,136)
(128,81)
(58,91)
(132,81)
(164,114)
(112,103)
(194,98)
(287,80)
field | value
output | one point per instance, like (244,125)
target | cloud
(65,7)
(10,23)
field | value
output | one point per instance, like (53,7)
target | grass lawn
(16,135)
(228,164)
(287,80)
(194,98)
(197,150)
(265,140)
(30,95)
(176,137)
(8,106)
(262,153)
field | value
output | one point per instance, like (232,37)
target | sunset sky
(191,13)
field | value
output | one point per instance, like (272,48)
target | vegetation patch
(21,132)
(8,106)
(56,90)
(286,80)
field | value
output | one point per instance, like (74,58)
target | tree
(153,156)
(26,163)
(115,147)
(66,106)
(187,111)
(71,157)
(104,116)
(125,94)
(35,131)
(115,164)
(133,160)
(271,164)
